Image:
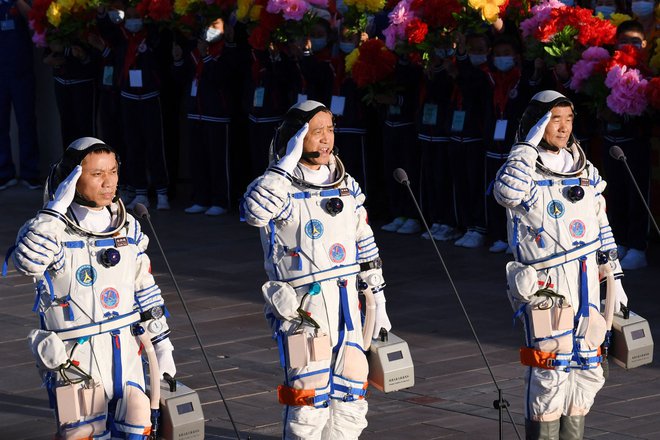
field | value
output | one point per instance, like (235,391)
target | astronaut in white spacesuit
(562,244)
(318,247)
(93,286)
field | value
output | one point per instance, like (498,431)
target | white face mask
(642,9)
(605,10)
(478,59)
(212,34)
(318,43)
(444,53)
(346,46)
(116,15)
(133,24)
(504,63)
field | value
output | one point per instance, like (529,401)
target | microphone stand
(499,404)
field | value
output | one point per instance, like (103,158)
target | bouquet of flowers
(283,20)
(155,10)
(612,80)
(371,65)
(357,11)
(63,21)
(558,32)
(489,9)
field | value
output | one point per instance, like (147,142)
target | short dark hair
(629,26)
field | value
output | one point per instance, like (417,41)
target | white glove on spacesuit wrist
(382,320)
(294,150)
(65,192)
(620,298)
(535,134)
(164,351)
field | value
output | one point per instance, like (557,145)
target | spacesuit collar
(579,159)
(118,217)
(337,172)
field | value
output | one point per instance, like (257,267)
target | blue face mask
(504,64)
(116,15)
(444,53)
(478,59)
(133,24)
(318,43)
(605,10)
(346,46)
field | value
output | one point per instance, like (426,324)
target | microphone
(617,153)
(311,155)
(141,211)
(401,176)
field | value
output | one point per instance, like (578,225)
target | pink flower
(294,9)
(390,34)
(595,54)
(39,40)
(628,95)
(540,14)
(275,6)
(401,14)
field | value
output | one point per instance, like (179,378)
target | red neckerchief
(215,50)
(134,42)
(503,83)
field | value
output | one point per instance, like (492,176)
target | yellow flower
(489,9)
(66,5)
(54,14)
(181,6)
(242,9)
(255,12)
(617,19)
(375,5)
(351,58)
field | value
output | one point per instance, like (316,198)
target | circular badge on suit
(86,275)
(337,253)
(577,228)
(556,209)
(314,229)
(109,298)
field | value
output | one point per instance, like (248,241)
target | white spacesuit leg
(347,420)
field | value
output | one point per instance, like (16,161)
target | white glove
(164,351)
(65,192)
(620,296)
(294,150)
(382,321)
(536,133)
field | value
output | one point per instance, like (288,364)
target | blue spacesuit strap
(5,265)
(117,389)
(51,289)
(489,190)
(271,238)
(279,336)
(345,311)
(583,310)
(518,313)
(77,244)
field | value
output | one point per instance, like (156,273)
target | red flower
(374,64)
(160,10)
(627,55)
(592,31)
(653,93)
(37,15)
(416,31)
(437,13)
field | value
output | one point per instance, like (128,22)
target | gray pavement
(218,266)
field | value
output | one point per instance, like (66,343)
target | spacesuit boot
(572,428)
(541,430)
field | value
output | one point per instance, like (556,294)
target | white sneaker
(634,259)
(215,211)
(446,233)
(621,252)
(394,225)
(163,203)
(411,226)
(434,228)
(195,209)
(138,199)
(475,240)
(498,246)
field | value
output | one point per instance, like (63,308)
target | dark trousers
(110,124)
(628,217)
(437,190)
(495,213)
(467,158)
(143,136)
(19,93)
(209,162)
(352,150)
(76,105)
(260,134)
(400,150)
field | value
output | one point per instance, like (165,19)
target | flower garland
(372,65)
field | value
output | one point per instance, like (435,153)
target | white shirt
(561,162)
(91,219)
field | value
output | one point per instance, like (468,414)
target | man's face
(319,138)
(633,38)
(558,131)
(98,181)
